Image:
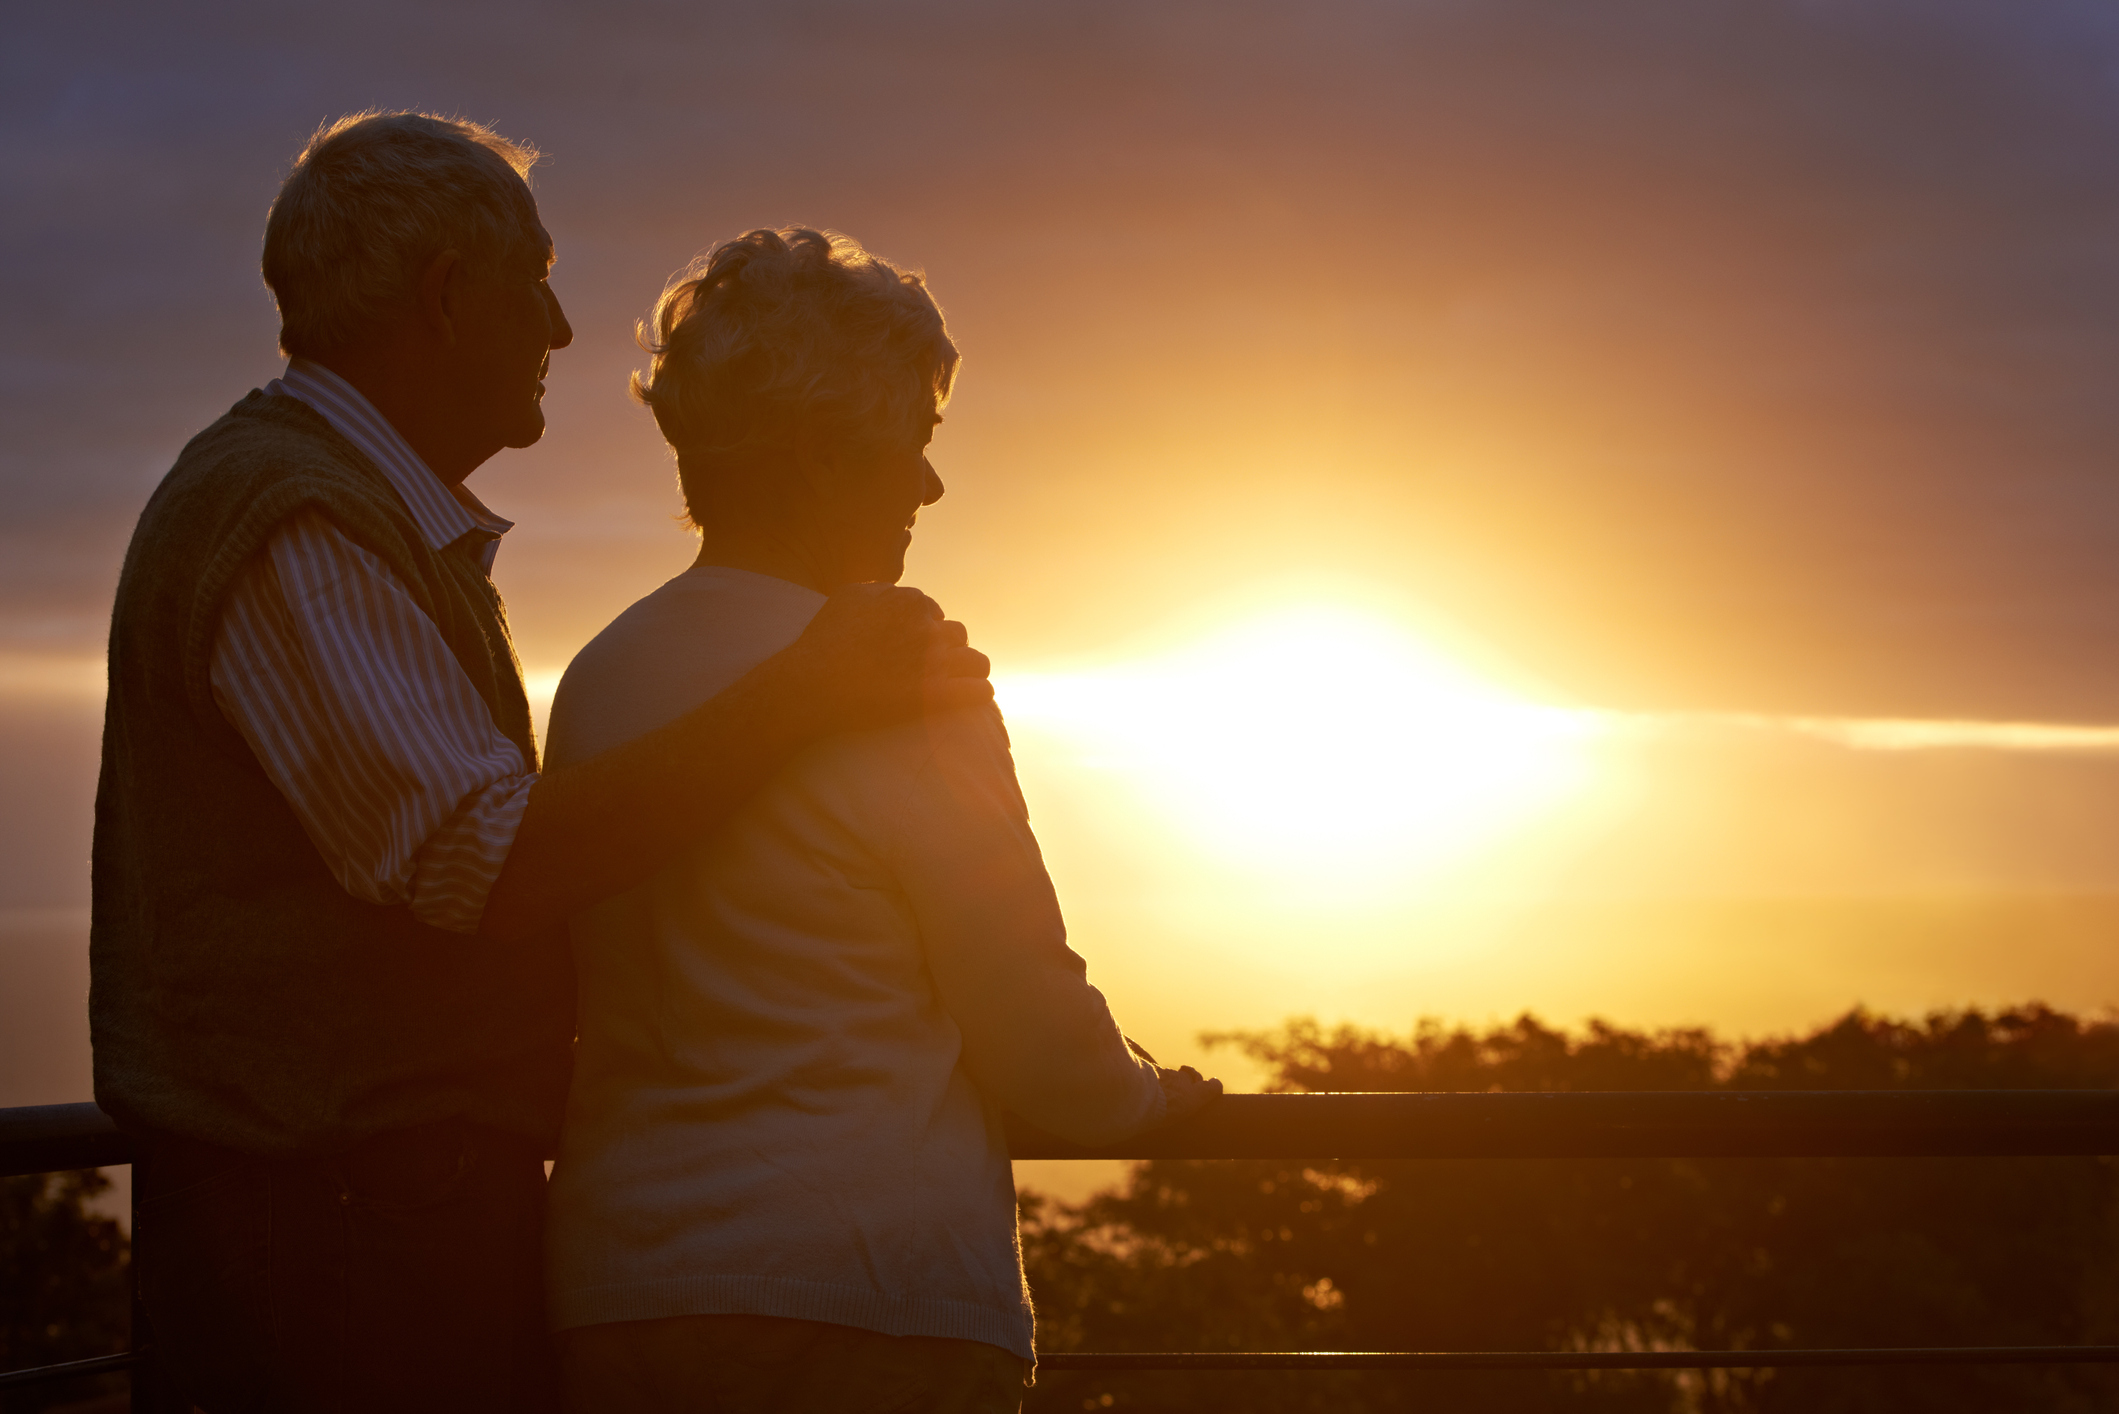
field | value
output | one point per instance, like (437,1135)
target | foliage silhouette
(1602,1254)
(63,1285)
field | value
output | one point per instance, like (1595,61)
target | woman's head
(798,378)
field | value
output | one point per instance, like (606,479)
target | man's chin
(530,433)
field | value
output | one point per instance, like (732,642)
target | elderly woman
(783,1183)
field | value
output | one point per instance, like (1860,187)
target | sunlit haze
(1319,754)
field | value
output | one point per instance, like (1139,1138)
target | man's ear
(439,291)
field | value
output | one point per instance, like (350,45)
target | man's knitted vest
(239,994)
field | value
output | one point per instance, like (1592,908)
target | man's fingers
(890,601)
(948,694)
(882,652)
(912,601)
(960,662)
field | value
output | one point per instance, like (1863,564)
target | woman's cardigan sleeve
(1038,1039)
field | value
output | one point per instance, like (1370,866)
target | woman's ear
(824,472)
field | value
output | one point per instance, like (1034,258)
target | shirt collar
(442,519)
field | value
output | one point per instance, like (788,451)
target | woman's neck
(771,555)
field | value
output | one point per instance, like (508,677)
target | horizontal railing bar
(1596,1124)
(1112,1362)
(72,1369)
(47,1138)
(1622,1124)
(1117,1361)
(1669,1124)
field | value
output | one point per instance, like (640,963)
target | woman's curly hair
(782,341)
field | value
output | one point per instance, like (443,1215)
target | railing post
(151,1394)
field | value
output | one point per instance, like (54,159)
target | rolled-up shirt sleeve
(1038,1038)
(362,718)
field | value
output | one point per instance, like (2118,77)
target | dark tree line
(63,1287)
(1604,1254)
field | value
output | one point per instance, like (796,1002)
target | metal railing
(1668,1125)
(1679,1124)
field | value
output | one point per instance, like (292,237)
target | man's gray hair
(372,200)
(783,339)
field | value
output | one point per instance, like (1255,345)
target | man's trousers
(403,1275)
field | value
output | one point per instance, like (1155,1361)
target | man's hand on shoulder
(876,653)
(872,655)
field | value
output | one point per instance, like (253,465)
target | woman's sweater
(797,1040)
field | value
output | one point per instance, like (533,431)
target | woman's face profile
(872,496)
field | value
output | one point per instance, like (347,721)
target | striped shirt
(352,702)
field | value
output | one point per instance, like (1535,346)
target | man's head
(418,234)
(799,378)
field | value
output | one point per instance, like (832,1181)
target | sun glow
(1316,746)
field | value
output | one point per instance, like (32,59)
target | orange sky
(1696,368)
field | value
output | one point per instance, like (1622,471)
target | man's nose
(932,489)
(562,332)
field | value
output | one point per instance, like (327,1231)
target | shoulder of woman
(965,738)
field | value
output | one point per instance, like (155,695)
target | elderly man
(331,991)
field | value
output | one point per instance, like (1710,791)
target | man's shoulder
(267,457)
(266,460)
(269,437)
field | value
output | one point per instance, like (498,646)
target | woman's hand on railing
(1185,1092)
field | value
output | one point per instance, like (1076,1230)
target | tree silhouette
(1606,1254)
(63,1292)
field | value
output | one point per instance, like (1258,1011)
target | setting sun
(1320,746)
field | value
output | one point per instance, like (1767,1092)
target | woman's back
(796,1041)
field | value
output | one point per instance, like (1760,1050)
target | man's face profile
(508,321)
